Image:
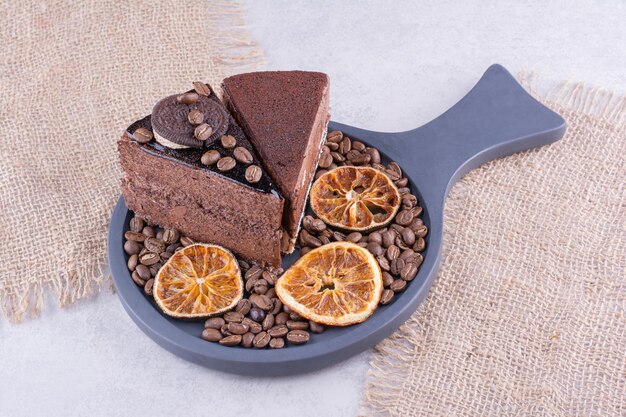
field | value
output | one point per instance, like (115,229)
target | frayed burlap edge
(391,358)
(235,52)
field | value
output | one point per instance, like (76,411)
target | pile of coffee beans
(260,319)
(396,247)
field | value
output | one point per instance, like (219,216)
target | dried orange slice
(337,284)
(198,281)
(355,198)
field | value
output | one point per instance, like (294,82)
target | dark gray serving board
(496,118)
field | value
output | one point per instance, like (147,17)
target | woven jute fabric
(73,75)
(527,315)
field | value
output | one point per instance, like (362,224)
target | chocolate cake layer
(284,114)
(202,204)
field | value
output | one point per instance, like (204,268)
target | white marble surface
(393,66)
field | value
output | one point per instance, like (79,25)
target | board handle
(496,118)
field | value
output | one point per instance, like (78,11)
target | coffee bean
(402,182)
(132,247)
(281,318)
(214,323)
(143,271)
(226,164)
(268,322)
(212,335)
(374,155)
(361,159)
(142,135)
(210,157)
(386,297)
(243,306)
(325,160)
(383,262)
(242,155)
(277,343)
(253,174)
(297,325)
(387,279)
(203,131)
(420,245)
(403,191)
(298,337)
(396,266)
(261,301)
(279,330)
(359,146)
(295,316)
(332,146)
(354,237)
(195,117)
(326,149)
(232,340)
(408,255)
(136,224)
(149,259)
(318,225)
(392,252)
(375,237)
(255,328)
(312,241)
(133,260)
(186,241)
(409,201)
(154,245)
(250,284)
(421,231)
(254,272)
(338,236)
(243,265)
(154,269)
(246,340)
(388,238)
(188,98)
(170,236)
(149,287)
(269,277)
(278,305)
(237,328)
(337,157)
(408,236)
(409,272)
(324,240)
(334,136)
(260,286)
(201,88)
(345,145)
(165,255)
(137,279)
(261,340)
(233,317)
(286,309)
(398,285)
(375,249)
(404,218)
(417,211)
(319,173)
(350,155)
(228,141)
(418,260)
(316,327)
(172,248)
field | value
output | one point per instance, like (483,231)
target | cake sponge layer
(202,204)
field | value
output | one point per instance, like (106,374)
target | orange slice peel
(355,198)
(337,284)
(198,281)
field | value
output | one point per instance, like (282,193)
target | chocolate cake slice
(285,116)
(211,189)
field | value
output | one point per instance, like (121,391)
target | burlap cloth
(526,317)
(73,76)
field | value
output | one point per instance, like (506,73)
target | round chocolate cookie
(172,128)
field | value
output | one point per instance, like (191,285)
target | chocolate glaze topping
(192,156)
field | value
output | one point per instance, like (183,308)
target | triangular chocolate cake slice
(285,116)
